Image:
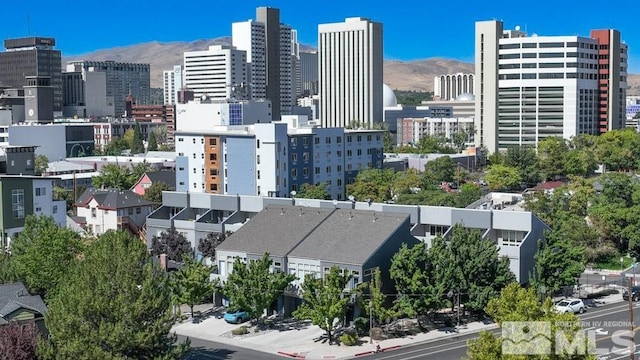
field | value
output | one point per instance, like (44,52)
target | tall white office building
(450,86)
(350,72)
(219,73)
(172,84)
(529,88)
(267,43)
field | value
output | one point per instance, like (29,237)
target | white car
(571,306)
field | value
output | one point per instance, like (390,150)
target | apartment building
(218,73)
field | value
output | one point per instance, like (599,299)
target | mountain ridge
(414,75)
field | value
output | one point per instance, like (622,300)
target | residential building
(218,73)
(516,233)
(450,86)
(32,56)
(273,159)
(105,132)
(469,159)
(70,176)
(205,115)
(85,94)
(157,160)
(267,43)
(122,79)
(415,128)
(534,87)
(172,83)
(350,72)
(149,178)
(99,211)
(17,305)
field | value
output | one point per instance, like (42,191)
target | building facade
(172,83)
(55,141)
(309,73)
(32,56)
(218,73)
(414,128)
(85,94)
(350,72)
(267,43)
(449,86)
(534,87)
(122,79)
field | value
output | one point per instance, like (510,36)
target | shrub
(602,293)
(349,339)
(242,330)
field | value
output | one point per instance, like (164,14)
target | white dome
(388,97)
(465,97)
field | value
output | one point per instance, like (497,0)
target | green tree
(161,134)
(172,243)
(40,164)
(254,287)
(43,252)
(154,192)
(308,191)
(502,177)
(115,147)
(137,145)
(413,273)
(128,137)
(526,161)
(153,142)
(412,97)
(207,246)
(324,300)
(388,142)
(113,304)
(192,283)
(405,182)
(618,150)
(113,176)
(373,184)
(558,263)
(552,153)
(441,169)
(140,169)
(432,144)
(376,308)
(8,271)
(518,304)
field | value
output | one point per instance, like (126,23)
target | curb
(291,355)
(371,352)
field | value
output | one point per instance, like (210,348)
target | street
(609,323)
(202,349)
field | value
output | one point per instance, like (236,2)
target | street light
(457,293)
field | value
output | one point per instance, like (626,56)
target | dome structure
(465,97)
(388,97)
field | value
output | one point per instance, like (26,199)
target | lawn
(614,263)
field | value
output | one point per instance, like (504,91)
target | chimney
(163,262)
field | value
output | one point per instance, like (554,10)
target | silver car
(571,306)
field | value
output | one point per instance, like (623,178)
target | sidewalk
(307,341)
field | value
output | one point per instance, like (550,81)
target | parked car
(236,316)
(635,294)
(571,306)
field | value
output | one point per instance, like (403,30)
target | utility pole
(632,346)
(370,320)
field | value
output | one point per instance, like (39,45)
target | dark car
(635,294)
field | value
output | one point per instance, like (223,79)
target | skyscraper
(172,83)
(218,73)
(267,43)
(529,88)
(350,72)
(32,56)
(449,86)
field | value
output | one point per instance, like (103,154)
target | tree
(558,263)
(128,137)
(192,283)
(324,299)
(172,243)
(154,192)
(161,135)
(153,142)
(518,304)
(113,176)
(525,160)
(117,145)
(441,169)
(376,307)
(18,341)
(41,164)
(43,253)
(372,184)
(551,157)
(254,287)
(137,145)
(502,177)
(207,246)
(308,191)
(8,271)
(432,144)
(114,303)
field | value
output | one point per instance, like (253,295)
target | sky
(412,29)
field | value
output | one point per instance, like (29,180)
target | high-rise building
(309,73)
(122,79)
(172,83)
(219,73)
(529,88)
(350,72)
(85,94)
(268,46)
(450,86)
(32,56)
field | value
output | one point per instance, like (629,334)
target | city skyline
(414,31)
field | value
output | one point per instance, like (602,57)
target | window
(339,139)
(339,153)
(180,139)
(213,142)
(138,210)
(339,168)
(130,211)
(349,153)
(359,152)
(316,141)
(305,156)
(41,191)
(317,170)
(194,140)
(305,141)
(294,173)
(258,144)
(328,169)
(305,172)
(38,209)
(327,140)
(294,157)
(359,138)
(339,181)
(349,139)
(368,137)
(294,141)
(257,159)
(55,209)
(94,212)
(258,174)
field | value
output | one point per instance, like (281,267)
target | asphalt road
(209,350)
(609,324)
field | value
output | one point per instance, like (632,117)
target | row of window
(558,44)
(532,76)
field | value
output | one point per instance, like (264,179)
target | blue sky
(412,29)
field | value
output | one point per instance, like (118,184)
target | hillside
(403,75)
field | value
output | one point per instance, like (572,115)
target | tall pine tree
(137,146)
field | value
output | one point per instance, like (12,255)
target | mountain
(402,75)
